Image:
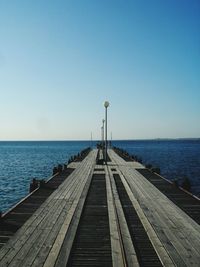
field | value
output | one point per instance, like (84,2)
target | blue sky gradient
(59,61)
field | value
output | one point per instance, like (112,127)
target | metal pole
(106,105)
(102,136)
(106,145)
(103,131)
(102,143)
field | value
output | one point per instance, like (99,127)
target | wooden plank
(164,211)
(92,245)
(27,253)
(47,218)
(68,230)
(159,223)
(157,244)
(60,235)
(131,257)
(118,256)
(49,232)
(170,223)
(153,236)
(42,218)
(74,165)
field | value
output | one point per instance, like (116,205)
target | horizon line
(97,140)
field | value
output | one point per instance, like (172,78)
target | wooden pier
(119,214)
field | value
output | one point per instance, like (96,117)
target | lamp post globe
(106,104)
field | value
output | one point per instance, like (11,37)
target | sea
(21,161)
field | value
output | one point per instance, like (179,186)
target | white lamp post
(103,121)
(102,136)
(106,105)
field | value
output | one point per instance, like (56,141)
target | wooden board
(129,251)
(45,225)
(176,232)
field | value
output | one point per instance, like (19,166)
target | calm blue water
(20,162)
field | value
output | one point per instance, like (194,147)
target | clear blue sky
(59,61)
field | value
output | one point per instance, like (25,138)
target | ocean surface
(21,161)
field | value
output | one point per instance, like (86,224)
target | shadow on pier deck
(115,215)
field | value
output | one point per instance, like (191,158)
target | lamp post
(106,105)
(102,137)
(103,121)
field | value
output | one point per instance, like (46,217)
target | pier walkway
(106,216)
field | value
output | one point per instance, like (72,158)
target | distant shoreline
(114,140)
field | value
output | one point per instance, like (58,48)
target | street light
(103,121)
(106,105)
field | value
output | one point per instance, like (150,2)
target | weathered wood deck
(106,216)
